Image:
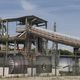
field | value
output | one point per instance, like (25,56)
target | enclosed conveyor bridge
(56,37)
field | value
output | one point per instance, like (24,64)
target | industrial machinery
(54,36)
(17,63)
(32,31)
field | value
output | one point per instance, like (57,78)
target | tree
(61,52)
(65,52)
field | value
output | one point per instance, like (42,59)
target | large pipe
(17,63)
(56,37)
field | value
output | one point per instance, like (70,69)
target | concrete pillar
(6,71)
(1,71)
(29,71)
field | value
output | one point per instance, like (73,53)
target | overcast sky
(66,13)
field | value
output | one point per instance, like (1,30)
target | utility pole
(55,50)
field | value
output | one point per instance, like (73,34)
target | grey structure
(26,52)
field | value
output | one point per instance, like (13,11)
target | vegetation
(61,52)
(65,52)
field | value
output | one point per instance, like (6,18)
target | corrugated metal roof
(29,18)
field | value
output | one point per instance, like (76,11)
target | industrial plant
(26,53)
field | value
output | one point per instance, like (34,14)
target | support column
(55,52)
(14,47)
(76,65)
(46,42)
(28,45)
(2,26)
(36,46)
(6,40)
(27,41)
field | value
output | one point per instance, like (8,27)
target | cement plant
(26,53)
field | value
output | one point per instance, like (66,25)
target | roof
(29,18)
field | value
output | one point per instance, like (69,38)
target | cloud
(68,8)
(65,6)
(27,5)
(34,9)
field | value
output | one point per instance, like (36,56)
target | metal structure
(55,50)
(31,30)
(17,63)
(56,37)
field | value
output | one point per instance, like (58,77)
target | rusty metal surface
(55,37)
